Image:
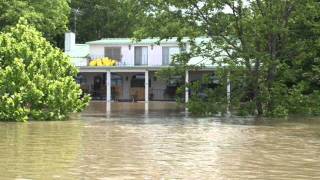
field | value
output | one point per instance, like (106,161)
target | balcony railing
(83,62)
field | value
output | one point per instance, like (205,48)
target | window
(138,81)
(140,55)
(183,48)
(113,53)
(116,80)
(167,53)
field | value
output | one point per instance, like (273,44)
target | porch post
(187,89)
(146,86)
(108,98)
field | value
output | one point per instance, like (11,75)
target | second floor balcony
(101,61)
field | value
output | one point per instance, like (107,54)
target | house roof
(79,51)
(200,61)
(147,41)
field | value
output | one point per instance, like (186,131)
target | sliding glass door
(141,55)
(168,53)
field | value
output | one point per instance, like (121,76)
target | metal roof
(147,41)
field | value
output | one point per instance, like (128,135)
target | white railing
(82,62)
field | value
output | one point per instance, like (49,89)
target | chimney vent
(69,42)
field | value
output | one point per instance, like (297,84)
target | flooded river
(163,143)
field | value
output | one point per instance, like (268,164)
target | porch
(127,86)
(133,84)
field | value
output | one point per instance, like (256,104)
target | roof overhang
(89,69)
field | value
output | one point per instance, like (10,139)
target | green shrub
(36,79)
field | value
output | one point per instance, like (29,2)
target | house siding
(154,54)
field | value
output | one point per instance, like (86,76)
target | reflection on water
(129,109)
(160,145)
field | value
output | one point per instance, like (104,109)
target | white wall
(154,54)
(96,51)
(79,61)
(127,55)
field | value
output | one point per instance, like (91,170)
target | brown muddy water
(163,143)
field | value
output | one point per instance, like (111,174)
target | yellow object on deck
(103,62)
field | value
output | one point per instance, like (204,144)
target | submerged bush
(36,79)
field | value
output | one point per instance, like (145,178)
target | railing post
(146,85)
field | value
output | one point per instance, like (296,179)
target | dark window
(116,80)
(113,53)
(140,55)
(138,81)
(165,56)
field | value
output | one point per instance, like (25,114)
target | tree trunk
(273,41)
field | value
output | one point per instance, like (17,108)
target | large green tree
(49,17)
(98,19)
(269,48)
(36,79)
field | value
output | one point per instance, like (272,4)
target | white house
(133,78)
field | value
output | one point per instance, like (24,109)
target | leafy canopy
(48,16)
(36,79)
(269,48)
(105,18)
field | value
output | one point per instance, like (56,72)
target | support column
(187,89)
(108,89)
(146,86)
(108,79)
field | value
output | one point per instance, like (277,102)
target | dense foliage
(36,79)
(98,19)
(49,17)
(268,48)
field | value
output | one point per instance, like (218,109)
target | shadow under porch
(127,86)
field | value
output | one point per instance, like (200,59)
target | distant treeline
(95,19)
